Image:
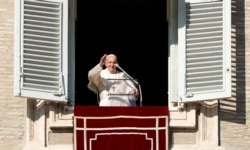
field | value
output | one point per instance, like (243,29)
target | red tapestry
(121,128)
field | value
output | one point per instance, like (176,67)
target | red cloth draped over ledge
(121,128)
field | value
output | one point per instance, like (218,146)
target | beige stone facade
(234,113)
(211,125)
(13,112)
(26,123)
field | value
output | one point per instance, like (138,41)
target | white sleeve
(94,78)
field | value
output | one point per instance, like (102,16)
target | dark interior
(134,30)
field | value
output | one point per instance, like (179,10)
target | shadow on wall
(234,109)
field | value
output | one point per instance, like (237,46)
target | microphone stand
(136,82)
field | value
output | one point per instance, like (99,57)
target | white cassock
(114,89)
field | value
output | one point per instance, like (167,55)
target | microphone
(137,83)
(127,74)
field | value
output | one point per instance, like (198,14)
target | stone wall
(12,112)
(234,113)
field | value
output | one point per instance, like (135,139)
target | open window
(134,30)
(44,52)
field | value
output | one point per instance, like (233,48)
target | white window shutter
(41,51)
(204,49)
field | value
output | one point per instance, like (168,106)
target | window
(201,50)
(44,54)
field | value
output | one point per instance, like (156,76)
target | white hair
(111,55)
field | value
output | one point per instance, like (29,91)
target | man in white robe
(114,87)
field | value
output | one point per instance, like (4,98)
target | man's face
(110,63)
